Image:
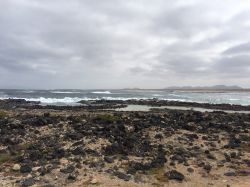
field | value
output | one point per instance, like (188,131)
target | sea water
(73,96)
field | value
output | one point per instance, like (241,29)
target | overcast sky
(124,43)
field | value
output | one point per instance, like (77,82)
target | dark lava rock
(159,161)
(112,149)
(72,176)
(121,175)
(25,169)
(190,126)
(192,137)
(230,174)
(247,162)
(78,151)
(243,173)
(190,170)
(227,157)
(68,169)
(59,153)
(109,159)
(206,151)
(174,175)
(27,182)
(159,136)
(138,166)
(73,136)
(207,167)
(233,155)
(233,143)
(179,158)
(97,164)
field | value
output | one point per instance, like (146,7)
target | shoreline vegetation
(93,144)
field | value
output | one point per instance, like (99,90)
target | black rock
(230,173)
(121,175)
(78,151)
(192,137)
(174,175)
(109,159)
(73,136)
(233,143)
(247,162)
(244,173)
(233,155)
(72,176)
(68,169)
(207,167)
(27,182)
(25,169)
(206,151)
(190,170)
(179,158)
(211,156)
(159,136)
(227,157)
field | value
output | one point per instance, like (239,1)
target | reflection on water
(147,108)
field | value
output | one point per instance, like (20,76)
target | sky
(88,44)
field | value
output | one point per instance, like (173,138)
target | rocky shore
(87,146)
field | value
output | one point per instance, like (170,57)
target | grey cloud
(236,66)
(144,43)
(238,49)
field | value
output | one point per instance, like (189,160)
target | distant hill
(216,87)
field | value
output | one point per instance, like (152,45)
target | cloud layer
(116,44)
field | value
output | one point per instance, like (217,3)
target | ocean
(71,97)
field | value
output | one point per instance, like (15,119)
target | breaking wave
(64,92)
(101,92)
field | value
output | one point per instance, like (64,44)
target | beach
(98,144)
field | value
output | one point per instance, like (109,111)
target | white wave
(175,95)
(157,95)
(182,100)
(232,99)
(27,91)
(123,98)
(57,100)
(62,92)
(51,100)
(101,92)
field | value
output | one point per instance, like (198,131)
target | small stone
(230,174)
(159,136)
(25,169)
(211,156)
(173,174)
(27,182)
(93,181)
(227,157)
(78,151)
(190,170)
(109,159)
(244,173)
(68,169)
(121,175)
(16,167)
(207,167)
(72,176)
(233,155)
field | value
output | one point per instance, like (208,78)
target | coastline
(95,145)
